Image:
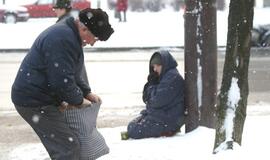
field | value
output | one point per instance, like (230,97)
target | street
(119,76)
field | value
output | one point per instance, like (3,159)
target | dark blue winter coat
(164,100)
(50,72)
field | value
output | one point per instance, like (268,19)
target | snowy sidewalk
(195,145)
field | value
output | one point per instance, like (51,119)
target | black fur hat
(97,21)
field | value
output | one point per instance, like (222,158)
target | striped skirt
(83,122)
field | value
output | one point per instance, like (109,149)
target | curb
(254,51)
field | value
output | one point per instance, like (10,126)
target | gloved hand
(145,96)
(153,78)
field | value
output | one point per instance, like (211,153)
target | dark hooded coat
(164,98)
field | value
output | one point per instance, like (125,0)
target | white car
(13,14)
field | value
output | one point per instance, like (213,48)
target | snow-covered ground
(195,145)
(147,30)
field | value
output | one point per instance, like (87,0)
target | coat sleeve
(61,60)
(145,95)
(169,87)
(82,81)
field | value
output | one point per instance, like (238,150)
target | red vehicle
(44,8)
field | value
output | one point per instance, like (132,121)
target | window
(45,2)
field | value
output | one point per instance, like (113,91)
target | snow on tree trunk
(232,100)
(200,63)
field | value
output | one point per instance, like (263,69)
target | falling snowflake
(35,118)
(89,15)
(56,64)
(52,135)
(70,139)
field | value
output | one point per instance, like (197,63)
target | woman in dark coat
(163,95)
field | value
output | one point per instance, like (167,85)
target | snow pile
(197,144)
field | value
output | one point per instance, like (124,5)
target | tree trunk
(200,63)
(209,64)
(191,97)
(232,100)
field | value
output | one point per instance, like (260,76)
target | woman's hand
(153,78)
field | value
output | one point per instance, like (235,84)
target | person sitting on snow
(163,95)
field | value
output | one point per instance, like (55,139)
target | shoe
(124,135)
